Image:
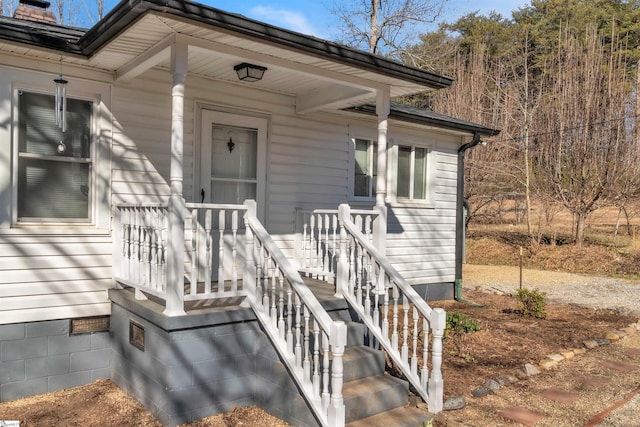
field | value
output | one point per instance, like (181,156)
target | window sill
(412,204)
(55,230)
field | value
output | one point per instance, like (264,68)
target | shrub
(458,323)
(532,302)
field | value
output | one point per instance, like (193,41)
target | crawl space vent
(136,335)
(87,325)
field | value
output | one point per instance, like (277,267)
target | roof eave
(430,121)
(128,11)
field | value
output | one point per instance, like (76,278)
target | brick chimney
(35,10)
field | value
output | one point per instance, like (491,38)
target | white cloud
(292,20)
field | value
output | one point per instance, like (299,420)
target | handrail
(308,341)
(365,277)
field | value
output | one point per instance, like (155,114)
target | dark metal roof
(41,34)
(127,12)
(408,113)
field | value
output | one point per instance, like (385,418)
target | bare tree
(7,7)
(383,26)
(583,153)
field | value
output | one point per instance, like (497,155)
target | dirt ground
(506,340)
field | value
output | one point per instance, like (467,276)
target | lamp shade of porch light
(249,72)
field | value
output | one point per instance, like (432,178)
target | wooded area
(560,79)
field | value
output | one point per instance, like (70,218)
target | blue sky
(314,18)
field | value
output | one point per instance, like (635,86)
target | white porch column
(383,107)
(175,262)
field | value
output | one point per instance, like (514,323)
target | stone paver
(594,381)
(521,415)
(558,395)
(619,366)
(633,351)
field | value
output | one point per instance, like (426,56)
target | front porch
(235,276)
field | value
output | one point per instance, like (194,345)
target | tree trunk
(581,220)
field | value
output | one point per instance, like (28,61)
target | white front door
(233,159)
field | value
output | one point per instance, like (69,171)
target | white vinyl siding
(57,264)
(421,241)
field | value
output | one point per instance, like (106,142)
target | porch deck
(323,291)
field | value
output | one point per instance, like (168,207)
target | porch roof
(423,116)
(137,35)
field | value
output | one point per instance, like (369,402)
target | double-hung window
(54,167)
(411,173)
(364,180)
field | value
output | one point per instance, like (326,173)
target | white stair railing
(396,317)
(309,342)
(319,238)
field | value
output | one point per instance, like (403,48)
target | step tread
(372,384)
(403,416)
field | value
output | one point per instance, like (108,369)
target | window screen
(54,167)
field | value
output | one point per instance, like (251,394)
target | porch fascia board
(153,56)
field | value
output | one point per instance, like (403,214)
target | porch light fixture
(249,72)
(61,103)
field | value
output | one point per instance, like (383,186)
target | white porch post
(175,244)
(383,107)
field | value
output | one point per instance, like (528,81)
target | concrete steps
(399,417)
(372,397)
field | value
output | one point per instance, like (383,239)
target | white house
(193,145)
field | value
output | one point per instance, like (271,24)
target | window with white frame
(54,167)
(411,173)
(364,179)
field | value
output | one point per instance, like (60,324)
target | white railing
(216,234)
(318,239)
(396,317)
(212,251)
(227,252)
(140,247)
(309,342)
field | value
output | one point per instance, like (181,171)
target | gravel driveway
(620,295)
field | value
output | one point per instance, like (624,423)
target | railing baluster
(405,329)
(414,354)
(281,324)
(424,376)
(154,248)
(312,232)
(136,247)
(394,333)
(222,215)
(298,335)
(195,252)
(208,269)
(146,247)
(289,318)
(274,293)
(325,372)
(304,261)
(234,251)
(126,242)
(266,298)
(316,358)
(306,361)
